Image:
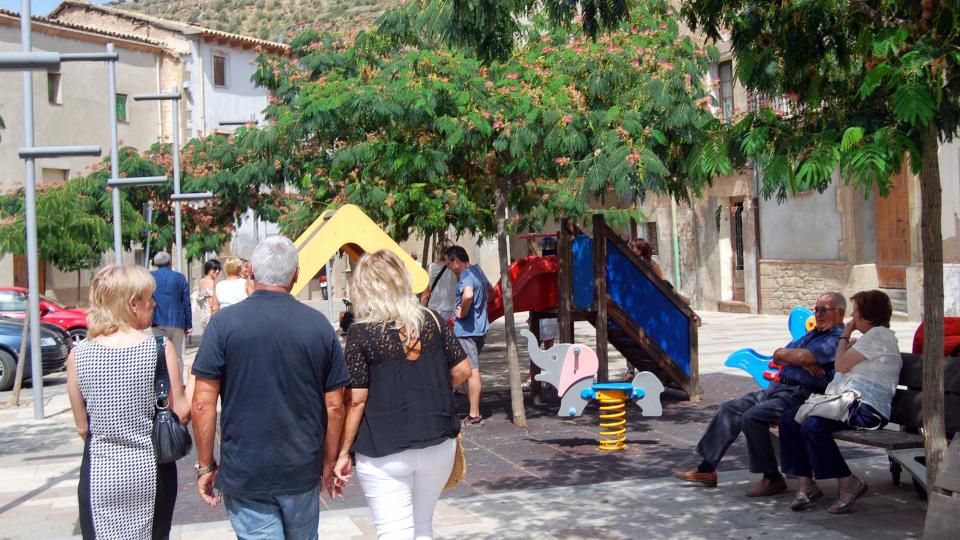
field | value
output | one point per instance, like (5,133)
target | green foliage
(421,134)
(860,82)
(74,218)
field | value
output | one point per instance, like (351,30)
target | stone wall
(784,284)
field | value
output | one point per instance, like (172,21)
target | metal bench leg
(895,470)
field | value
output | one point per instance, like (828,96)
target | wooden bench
(907,413)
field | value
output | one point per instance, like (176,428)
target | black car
(54,347)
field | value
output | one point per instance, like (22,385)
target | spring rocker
(761,366)
(571,368)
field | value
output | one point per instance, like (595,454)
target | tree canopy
(857,85)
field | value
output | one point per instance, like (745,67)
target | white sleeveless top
(231,291)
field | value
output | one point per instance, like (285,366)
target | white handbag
(835,404)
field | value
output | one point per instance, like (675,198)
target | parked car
(13,303)
(55,344)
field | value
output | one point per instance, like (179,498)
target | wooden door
(736,242)
(893,232)
(20,273)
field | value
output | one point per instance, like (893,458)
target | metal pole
(114,156)
(30,201)
(175,104)
(333,316)
(146,249)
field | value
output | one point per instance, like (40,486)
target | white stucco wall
(804,227)
(950,181)
(239,99)
(82,116)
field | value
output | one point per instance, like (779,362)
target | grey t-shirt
(444,295)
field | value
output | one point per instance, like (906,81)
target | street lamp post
(174,98)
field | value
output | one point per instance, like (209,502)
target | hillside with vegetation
(274,20)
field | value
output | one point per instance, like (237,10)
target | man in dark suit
(173,315)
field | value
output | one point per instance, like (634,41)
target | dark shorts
(472,345)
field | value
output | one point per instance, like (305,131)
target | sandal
(802,501)
(472,421)
(841,507)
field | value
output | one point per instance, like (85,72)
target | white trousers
(402,489)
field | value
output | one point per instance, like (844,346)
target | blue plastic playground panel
(583,271)
(648,306)
(797,323)
(752,362)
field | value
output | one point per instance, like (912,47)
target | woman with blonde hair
(401,420)
(123,491)
(233,288)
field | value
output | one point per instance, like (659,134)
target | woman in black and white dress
(123,492)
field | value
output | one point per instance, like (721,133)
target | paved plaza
(545,481)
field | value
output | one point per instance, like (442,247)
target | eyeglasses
(824,309)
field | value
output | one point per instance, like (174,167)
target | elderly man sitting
(807,367)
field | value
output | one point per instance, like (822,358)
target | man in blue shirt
(470,322)
(807,367)
(278,369)
(173,316)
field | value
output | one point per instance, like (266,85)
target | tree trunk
(931,243)
(510,329)
(424,261)
(24,357)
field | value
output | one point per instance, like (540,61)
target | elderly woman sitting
(870,366)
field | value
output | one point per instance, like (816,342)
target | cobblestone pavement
(544,481)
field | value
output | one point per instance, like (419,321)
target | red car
(13,303)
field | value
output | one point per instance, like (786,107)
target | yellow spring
(613,423)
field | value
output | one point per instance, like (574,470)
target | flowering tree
(866,85)
(422,134)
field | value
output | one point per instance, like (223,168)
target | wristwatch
(205,470)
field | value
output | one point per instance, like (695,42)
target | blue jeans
(293,517)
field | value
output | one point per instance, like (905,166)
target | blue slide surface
(636,295)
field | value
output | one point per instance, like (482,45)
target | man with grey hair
(173,316)
(272,361)
(806,367)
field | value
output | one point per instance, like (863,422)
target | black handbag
(171,439)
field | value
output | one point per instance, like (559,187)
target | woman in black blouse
(401,420)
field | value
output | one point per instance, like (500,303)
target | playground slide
(668,342)
(349,229)
(534,281)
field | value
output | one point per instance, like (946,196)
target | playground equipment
(602,281)
(761,366)
(534,281)
(350,230)
(571,367)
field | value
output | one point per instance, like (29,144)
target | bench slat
(881,438)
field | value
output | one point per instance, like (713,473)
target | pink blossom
(497,124)
(635,63)
(562,160)
(486,115)
(513,75)
(567,119)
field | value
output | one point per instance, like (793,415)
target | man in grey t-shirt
(441,294)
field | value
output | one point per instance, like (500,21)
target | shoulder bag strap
(161,379)
(435,319)
(436,279)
